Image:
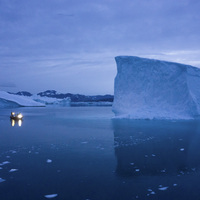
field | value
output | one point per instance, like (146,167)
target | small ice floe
(149,190)
(4,163)
(2,180)
(182,149)
(193,169)
(13,151)
(163,170)
(1,168)
(7,156)
(49,160)
(49,196)
(152,192)
(13,170)
(153,155)
(132,163)
(137,170)
(84,142)
(174,184)
(146,156)
(163,188)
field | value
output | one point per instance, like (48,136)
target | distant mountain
(22,93)
(73,97)
(77,97)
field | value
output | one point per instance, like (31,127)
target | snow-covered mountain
(148,89)
(73,97)
(51,97)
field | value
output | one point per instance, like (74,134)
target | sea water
(84,153)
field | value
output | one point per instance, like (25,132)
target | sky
(70,45)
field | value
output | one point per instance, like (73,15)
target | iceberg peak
(154,89)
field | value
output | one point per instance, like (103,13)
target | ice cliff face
(148,89)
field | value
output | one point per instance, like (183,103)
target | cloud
(41,38)
(8,85)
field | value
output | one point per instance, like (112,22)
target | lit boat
(14,116)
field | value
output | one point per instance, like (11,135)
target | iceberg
(153,89)
(52,101)
(11,100)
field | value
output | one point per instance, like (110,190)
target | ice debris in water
(4,163)
(2,180)
(131,163)
(174,184)
(13,170)
(137,170)
(163,188)
(182,149)
(49,160)
(49,196)
(84,142)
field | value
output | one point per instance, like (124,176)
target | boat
(14,116)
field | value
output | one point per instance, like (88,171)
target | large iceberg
(154,89)
(11,100)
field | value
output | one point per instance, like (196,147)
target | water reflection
(14,121)
(156,147)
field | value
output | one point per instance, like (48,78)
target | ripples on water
(82,153)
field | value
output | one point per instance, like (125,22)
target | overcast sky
(70,45)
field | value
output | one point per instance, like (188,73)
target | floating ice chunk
(163,188)
(182,149)
(152,192)
(2,180)
(13,151)
(132,163)
(49,160)
(1,168)
(49,196)
(164,170)
(4,163)
(137,170)
(174,184)
(153,155)
(13,170)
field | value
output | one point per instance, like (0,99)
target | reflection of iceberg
(156,147)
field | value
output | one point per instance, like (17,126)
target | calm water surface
(81,153)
